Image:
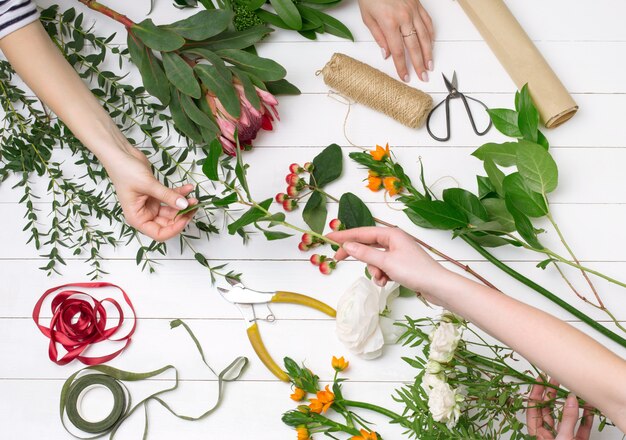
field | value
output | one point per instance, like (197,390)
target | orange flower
(298,394)
(380,153)
(325,398)
(365,435)
(374,183)
(339,364)
(392,185)
(303,433)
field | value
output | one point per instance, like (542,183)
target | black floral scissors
(453,93)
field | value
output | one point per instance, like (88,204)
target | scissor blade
(448,84)
(455,83)
(241,295)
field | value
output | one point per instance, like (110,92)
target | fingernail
(182,203)
(384,52)
(406,78)
(349,247)
(430,65)
(425,76)
(571,401)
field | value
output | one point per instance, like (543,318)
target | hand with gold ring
(400,27)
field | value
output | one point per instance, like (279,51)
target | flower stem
(96,6)
(544,292)
(569,250)
(380,410)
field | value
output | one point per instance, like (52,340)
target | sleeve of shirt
(15,14)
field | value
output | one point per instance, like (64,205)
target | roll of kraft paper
(377,90)
(521,59)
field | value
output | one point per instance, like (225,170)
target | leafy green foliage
(315,212)
(353,213)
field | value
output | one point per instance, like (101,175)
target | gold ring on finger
(410,34)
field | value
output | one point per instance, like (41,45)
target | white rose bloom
(433,367)
(444,341)
(430,381)
(359,324)
(443,403)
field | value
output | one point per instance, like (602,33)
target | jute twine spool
(377,90)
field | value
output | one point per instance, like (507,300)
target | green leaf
(528,117)
(334,26)
(275,235)
(485,187)
(203,25)
(248,88)
(136,49)
(327,166)
(225,201)
(282,87)
(504,154)
(310,17)
(542,140)
(182,121)
(181,74)
(209,167)
(315,212)
(157,37)
(537,167)
(236,39)
(505,121)
(496,208)
(223,89)
(467,203)
(152,74)
(406,292)
(198,116)
(288,12)
(249,217)
(353,213)
(240,172)
(489,240)
(263,68)
(524,226)
(519,195)
(495,175)
(272,19)
(440,215)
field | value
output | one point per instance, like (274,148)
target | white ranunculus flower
(360,326)
(430,381)
(444,403)
(443,342)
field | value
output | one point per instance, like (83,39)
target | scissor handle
(303,300)
(471,116)
(437,138)
(259,348)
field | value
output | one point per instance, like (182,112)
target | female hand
(540,421)
(141,194)
(390,253)
(399,25)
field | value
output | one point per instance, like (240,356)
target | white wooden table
(585,43)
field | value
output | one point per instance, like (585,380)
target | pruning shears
(246,299)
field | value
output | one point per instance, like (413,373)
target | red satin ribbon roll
(79,320)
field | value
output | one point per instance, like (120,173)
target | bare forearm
(553,345)
(41,66)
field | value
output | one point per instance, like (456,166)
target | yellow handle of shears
(263,354)
(303,300)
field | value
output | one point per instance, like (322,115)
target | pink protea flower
(250,121)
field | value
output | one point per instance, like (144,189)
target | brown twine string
(377,90)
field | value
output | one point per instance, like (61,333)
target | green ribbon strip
(113,378)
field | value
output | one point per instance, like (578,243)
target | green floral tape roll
(113,379)
(78,389)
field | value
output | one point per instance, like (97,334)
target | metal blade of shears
(449,85)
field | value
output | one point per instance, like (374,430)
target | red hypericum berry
(308,166)
(281,197)
(336,225)
(308,239)
(317,259)
(289,205)
(303,246)
(292,179)
(295,168)
(292,190)
(326,267)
